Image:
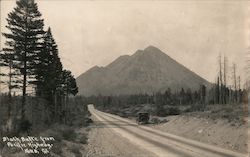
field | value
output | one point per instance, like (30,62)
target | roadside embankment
(220,132)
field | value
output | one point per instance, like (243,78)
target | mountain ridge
(146,71)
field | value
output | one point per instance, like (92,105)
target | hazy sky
(90,33)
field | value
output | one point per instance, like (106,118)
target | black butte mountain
(146,71)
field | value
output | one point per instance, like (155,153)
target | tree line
(170,98)
(217,93)
(30,61)
(222,91)
(163,101)
(225,93)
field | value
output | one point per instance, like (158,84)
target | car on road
(142,118)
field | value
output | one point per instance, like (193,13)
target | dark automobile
(142,118)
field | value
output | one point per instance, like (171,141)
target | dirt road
(159,143)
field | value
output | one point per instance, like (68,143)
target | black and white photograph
(124,78)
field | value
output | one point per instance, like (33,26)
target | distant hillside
(146,71)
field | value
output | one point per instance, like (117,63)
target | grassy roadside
(70,133)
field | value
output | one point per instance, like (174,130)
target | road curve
(160,143)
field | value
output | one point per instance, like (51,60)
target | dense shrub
(162,112)
(167,111)
(67,132)
(76,151)
(194,108)
(82,138)
(57,148)
(174,111)
(155,120)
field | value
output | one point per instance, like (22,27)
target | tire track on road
(181,141)
(177,151)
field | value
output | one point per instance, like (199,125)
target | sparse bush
(163,112)
(188,110)
(160,111)
(155,120)
(77,113)
(194,108)
(174,111)
(53,133)
(57,148)
(25,126)
(228,110)
(82,138)
(76,150)
(164,121)
(68,134)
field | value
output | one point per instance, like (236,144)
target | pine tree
(49,74)
(24,40)
(69,87)
(9,73)
(69,83)
(49,68)
(6,63)
(8,82)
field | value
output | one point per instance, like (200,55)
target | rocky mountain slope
(146,71)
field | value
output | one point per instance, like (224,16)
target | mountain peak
(149,51)
(152,49)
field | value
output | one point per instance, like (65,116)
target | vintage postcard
(124,78)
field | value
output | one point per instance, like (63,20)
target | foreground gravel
(103,142)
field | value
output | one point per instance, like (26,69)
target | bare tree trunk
(239,86)
(225,71)
(235,84)
(10,87)
(220,83)
(218,90)
(239,92)
(225,80)
(24,72)
(55,105)
(24,87)
(66,107)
